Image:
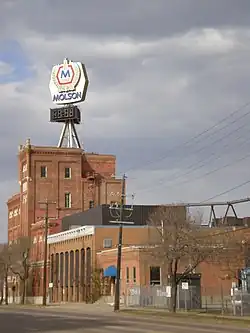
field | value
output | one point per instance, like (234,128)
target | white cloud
(5,69)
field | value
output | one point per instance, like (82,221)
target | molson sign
(68,83)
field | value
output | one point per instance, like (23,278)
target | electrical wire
(199,135)
(227,191)
(200,167)
(201,176)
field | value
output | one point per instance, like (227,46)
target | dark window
(77,272)
(67,173)
(43,171)
(134,274)
(155,275)
(82,278)
(71,268)
(67,200)
(61,269)
(107,243)
(91,204)
(66,269)
(127,274)
(57,268)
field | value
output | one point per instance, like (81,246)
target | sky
(168,93)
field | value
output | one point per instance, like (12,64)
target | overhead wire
(188,172)
(196,165)
(202,148)
(197,136)
(227,191)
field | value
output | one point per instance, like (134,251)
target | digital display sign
(63,114)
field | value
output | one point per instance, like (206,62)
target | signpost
(68,85)
(185,287)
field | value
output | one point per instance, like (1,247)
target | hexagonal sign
(68,83)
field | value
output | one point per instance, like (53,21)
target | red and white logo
(66,76)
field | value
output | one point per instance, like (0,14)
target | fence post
(222,301)
(241,308)
(233,301)
(178,297)
(185,297)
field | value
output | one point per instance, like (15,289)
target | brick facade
(75,242)
(41,176)
(92,180)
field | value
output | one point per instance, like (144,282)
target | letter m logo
(65,73)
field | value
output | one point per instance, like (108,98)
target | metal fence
(160,297)
(240,303)
(227,302)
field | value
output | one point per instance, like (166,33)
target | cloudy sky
(169,91)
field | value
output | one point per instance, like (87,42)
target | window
(67,200)
(24,198)
(134,274)
(91,204)
(24,186)
(127,274)
(107,243)
(155,275)
(67,173)
(43,171)
(24,169)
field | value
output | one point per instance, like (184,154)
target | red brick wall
(102,188)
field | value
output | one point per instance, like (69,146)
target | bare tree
(4,271)
(234,258)
(20,263)
(2,275)
(180,244)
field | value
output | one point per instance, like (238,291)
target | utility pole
(46,228)
(117,211)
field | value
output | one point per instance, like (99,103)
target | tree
(20,262)
(4,271)
(180,244)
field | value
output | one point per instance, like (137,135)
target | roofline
(126,248)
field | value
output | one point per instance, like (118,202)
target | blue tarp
(111,271)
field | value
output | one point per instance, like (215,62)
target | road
(57,320)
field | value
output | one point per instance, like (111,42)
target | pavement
(96,319)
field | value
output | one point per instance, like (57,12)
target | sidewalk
(70,307)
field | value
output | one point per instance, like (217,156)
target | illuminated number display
(65,113)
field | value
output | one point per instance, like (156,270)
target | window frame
(67,199)
(91,204)
(127,275)
(45,168)
(109,241)
(65,175)
(134,274)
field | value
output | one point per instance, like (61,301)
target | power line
(227,191)
(199,135)
(197,168)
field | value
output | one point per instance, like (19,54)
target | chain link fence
(226,302)
(160,297)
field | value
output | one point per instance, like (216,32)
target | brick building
(71,178)
(88,247)
(73,258)
(75,180)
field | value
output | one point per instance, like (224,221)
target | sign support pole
(69,137)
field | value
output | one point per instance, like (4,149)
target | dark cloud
(140,18)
